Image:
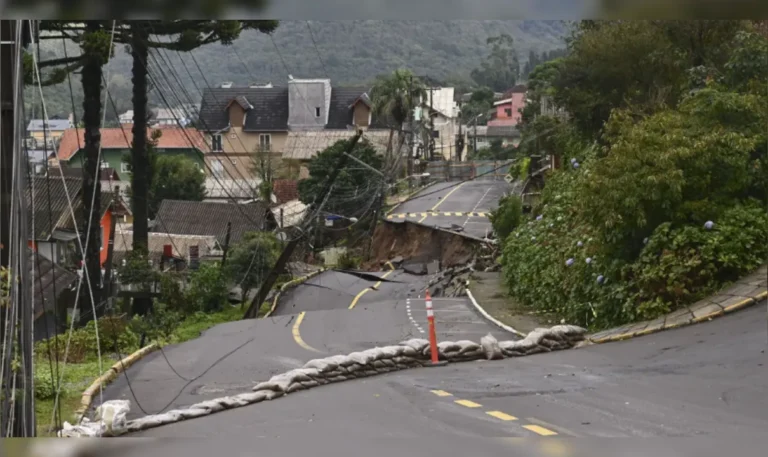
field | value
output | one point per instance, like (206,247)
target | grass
(78,376)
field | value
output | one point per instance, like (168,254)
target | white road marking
(478,204)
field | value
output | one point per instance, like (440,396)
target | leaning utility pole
(269,281)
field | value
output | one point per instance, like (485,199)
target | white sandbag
(322,365)
(491,347)
(417,344)
(112,415)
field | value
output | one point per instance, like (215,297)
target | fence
(489,170)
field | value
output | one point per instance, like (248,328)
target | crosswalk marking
(436,213)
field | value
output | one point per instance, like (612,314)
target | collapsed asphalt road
(704,380)
(454,205)
(333,313)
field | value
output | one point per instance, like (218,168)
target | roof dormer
(361,111)
(237,108)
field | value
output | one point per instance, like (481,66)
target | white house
(445,120)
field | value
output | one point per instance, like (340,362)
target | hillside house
(292,122)
(52,296)
(440,104)
(167,249)
(50,130)
(116,143)
(508,109)
(55,232)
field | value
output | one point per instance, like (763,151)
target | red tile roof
(112,138)
(285,190)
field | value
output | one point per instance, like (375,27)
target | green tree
(349,180)
(175,177)
(394,97)
(501,68)
(249,261)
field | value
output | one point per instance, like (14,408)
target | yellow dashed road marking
(446,214)
(297,335)
(500,415)
(468,404)
(441,393)
(539,430)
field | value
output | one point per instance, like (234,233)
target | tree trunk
(141,178)
(91,192)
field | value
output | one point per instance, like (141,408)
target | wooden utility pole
(269,281)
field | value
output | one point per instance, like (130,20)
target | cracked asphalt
(704,381)
(450,198)
(707,380)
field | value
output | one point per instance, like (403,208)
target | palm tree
(394,98)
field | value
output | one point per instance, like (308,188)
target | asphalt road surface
(709,380)
(454,204)
(333,313)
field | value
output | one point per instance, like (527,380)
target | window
(103,237)
(508,111)
(216,143)
(217,167)
(435,133)
(125,168)
(265,142)
(317,111)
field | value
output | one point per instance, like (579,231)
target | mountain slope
(350,52)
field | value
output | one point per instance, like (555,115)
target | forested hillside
(345,51)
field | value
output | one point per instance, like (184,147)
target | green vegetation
(506,218)
(662,195)
(349,180)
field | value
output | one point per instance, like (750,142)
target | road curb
(110,375)
(490,318)
(710,308)
(408,196)
(291,283)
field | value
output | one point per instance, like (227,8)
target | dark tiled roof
(66,222)
(506,131)
(47,217)
(178,217)
(341,111)
(106,174)
(58,216)
(48,277)
(269,112)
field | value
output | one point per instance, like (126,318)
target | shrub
(114,336)
(207,290)
(683,264)
(349,261)
(507,216)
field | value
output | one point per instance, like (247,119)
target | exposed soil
(418,243)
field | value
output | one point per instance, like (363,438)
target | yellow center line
(500,415)
(539,430)
(468,403)
(441,393)
(374,287)
(297,335)
(434,208)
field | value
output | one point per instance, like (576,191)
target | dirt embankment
(420,243)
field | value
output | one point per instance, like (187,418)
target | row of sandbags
(111,420)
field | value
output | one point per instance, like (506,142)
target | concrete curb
(291,283)
(408,196)
(110,375)
(490,318)
(713,307)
